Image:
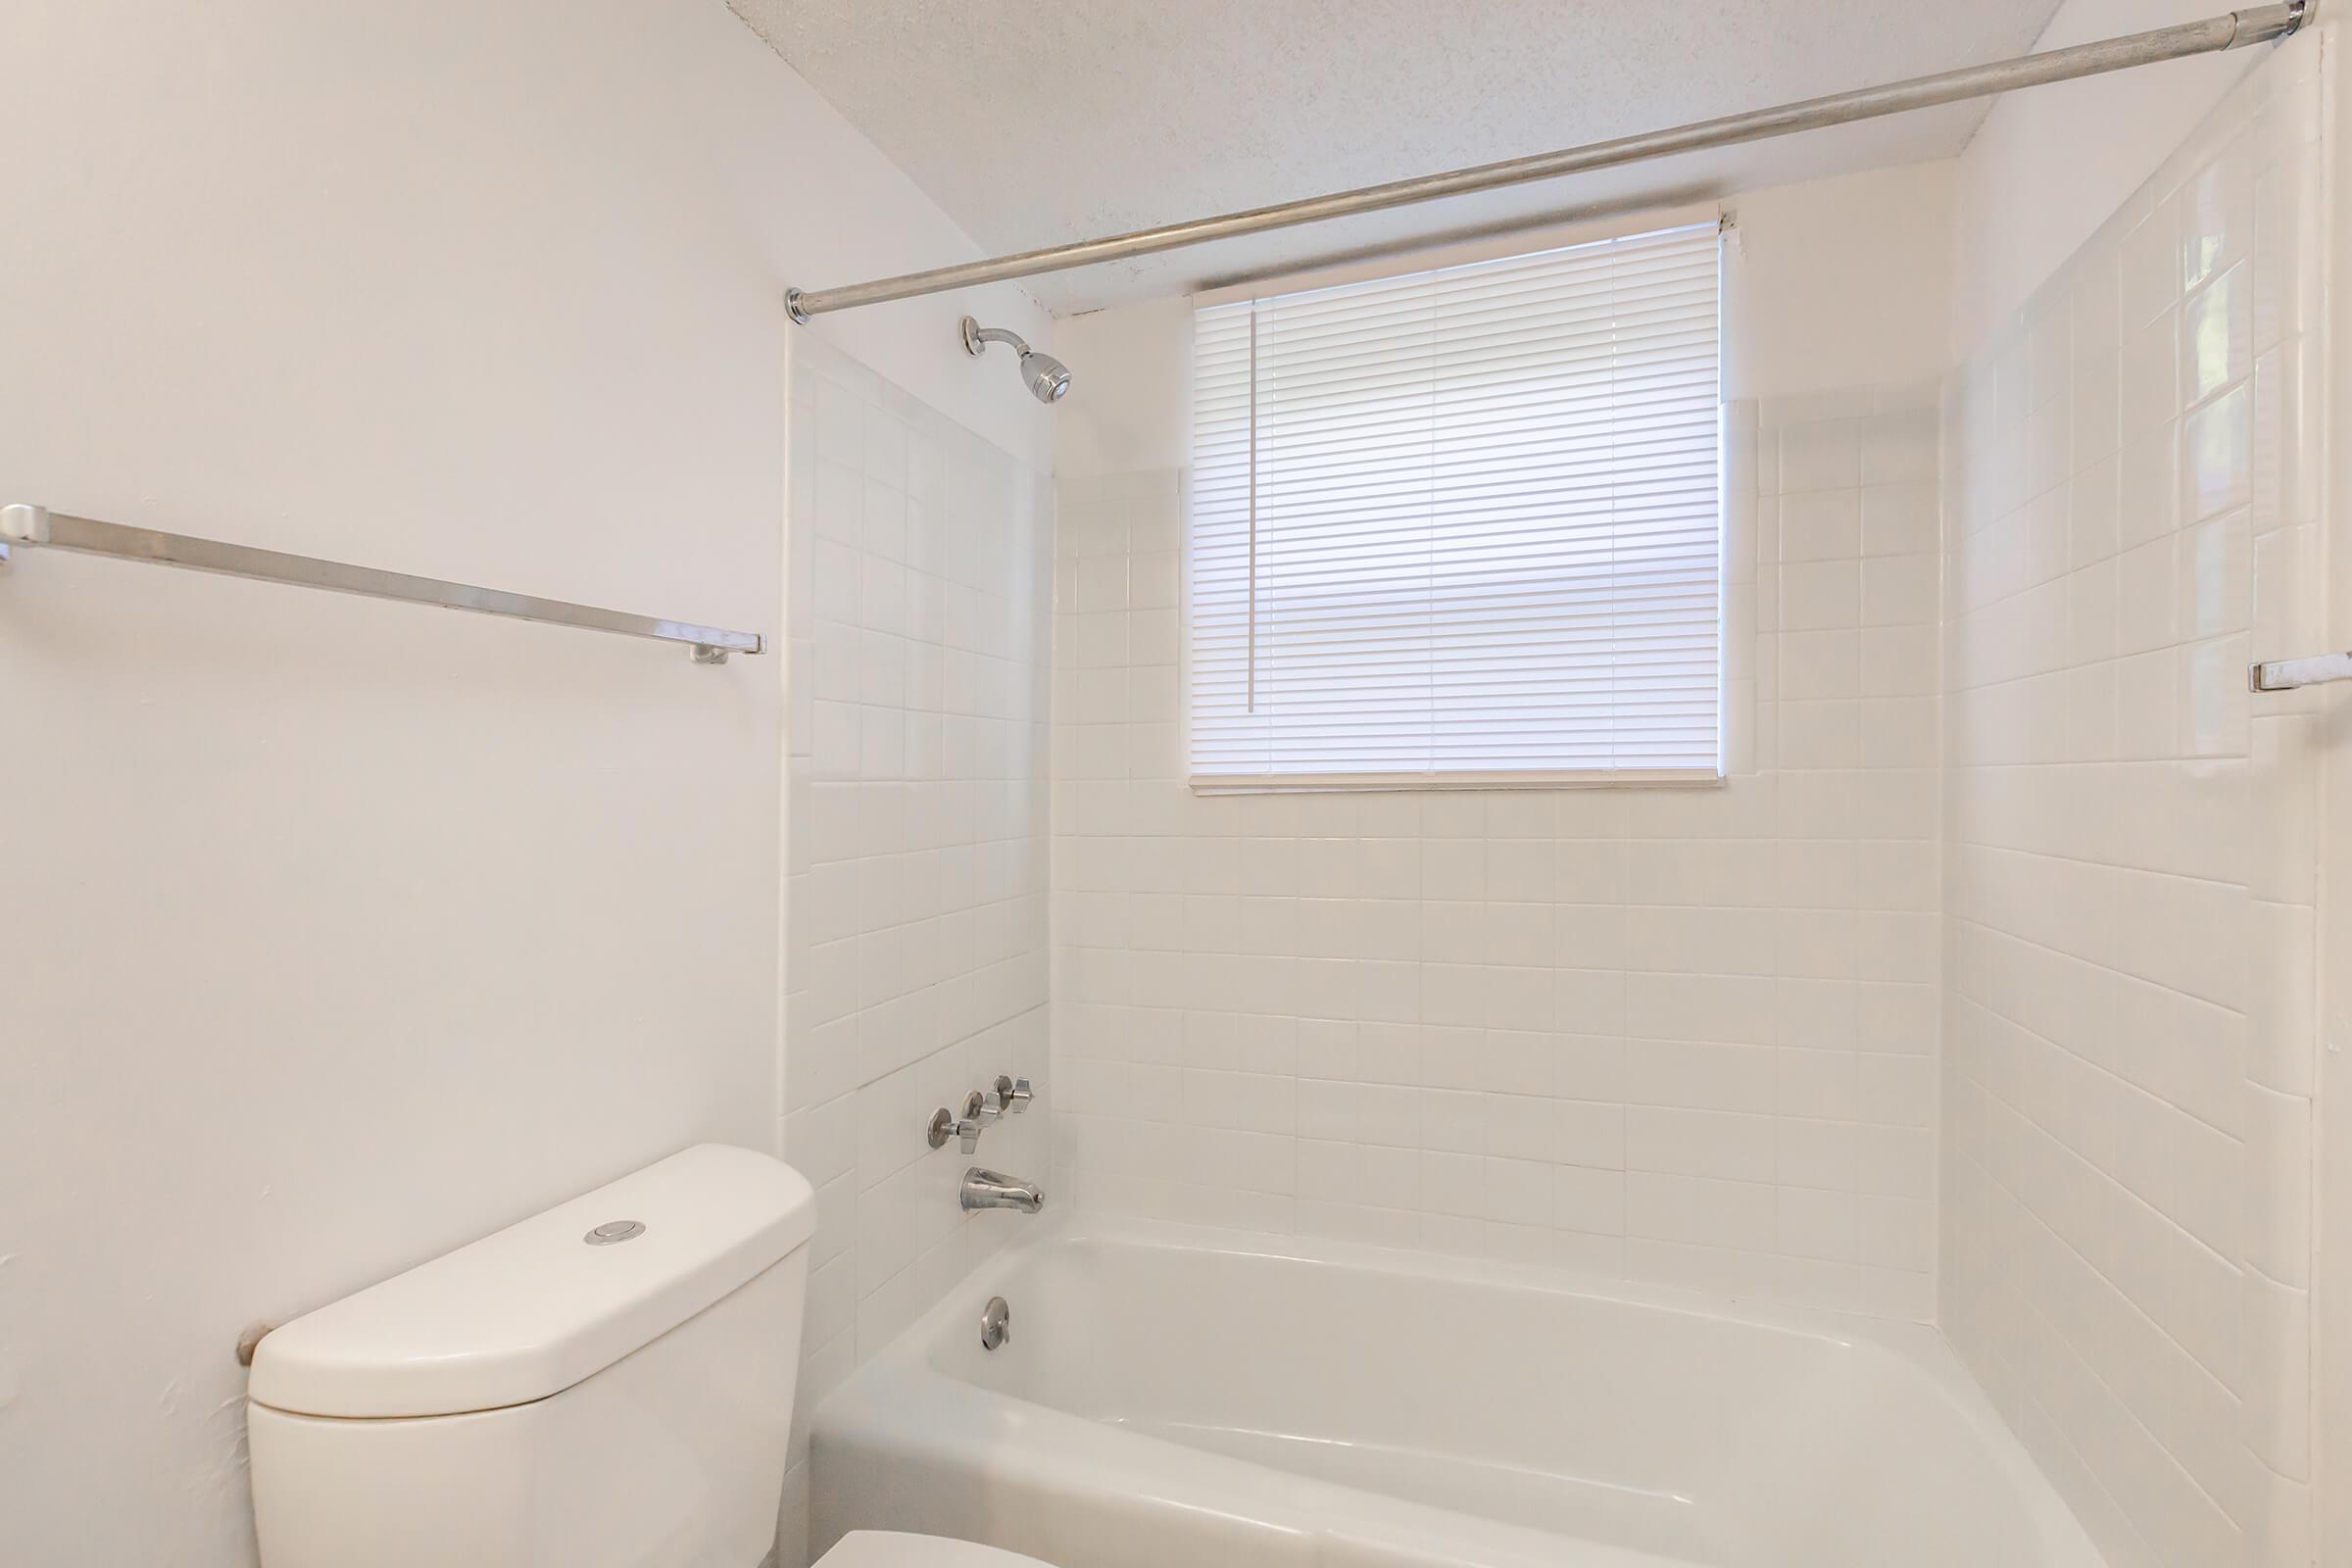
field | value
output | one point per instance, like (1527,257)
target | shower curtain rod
(2233,31)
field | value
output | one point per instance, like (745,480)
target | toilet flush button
(615,1230)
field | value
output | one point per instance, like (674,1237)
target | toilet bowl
(605,1385)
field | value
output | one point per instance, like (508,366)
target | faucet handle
(1013,1093)
(984,1107)
(944,1125)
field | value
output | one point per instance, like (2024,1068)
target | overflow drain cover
(615,1230)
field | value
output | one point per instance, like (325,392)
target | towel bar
(56,530)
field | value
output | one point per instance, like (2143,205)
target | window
(1462,528)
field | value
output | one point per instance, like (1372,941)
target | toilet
(606,1385)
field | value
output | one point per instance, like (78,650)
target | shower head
(1045,377)
(1048,378)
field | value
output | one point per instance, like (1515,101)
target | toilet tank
(606,1385)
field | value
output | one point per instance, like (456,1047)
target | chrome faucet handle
(984,1107)
(1013,1093)
(944,1125)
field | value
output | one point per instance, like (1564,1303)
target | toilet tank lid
(537,1307)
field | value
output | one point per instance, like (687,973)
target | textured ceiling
(1038,122)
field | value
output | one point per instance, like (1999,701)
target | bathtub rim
(904,1376)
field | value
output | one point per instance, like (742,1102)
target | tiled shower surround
(1680,1034)
(915,830)
(1982,991)
(2131,849)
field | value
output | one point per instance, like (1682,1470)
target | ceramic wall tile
(1681,1034)
(2127,1032)
(916,835)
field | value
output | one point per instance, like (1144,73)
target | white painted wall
(1133,367)
(2048,165)
(1838,283)
(340,933)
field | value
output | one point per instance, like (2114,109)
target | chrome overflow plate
(612,1232)
(996,1323)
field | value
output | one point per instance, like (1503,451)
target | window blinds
(1462,528)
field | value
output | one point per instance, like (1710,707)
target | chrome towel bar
(56,530)
(2286,675)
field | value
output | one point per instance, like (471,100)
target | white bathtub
(1177,1397)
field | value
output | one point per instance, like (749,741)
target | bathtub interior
(1684,1435)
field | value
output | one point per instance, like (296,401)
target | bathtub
(1172,1396)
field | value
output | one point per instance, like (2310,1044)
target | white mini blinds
(1462,528)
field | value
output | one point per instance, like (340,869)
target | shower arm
(2235,30)
(977,338)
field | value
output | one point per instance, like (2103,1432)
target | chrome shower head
(1048,378)
(1045,377)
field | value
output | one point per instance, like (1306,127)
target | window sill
(1390,783)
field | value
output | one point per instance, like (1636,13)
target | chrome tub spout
(987,1189)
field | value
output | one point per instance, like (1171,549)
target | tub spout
(987,1189)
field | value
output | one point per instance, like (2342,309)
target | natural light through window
(1462,528)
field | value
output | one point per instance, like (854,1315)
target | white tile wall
(2130,851)
(916,846)
(1679,1034)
